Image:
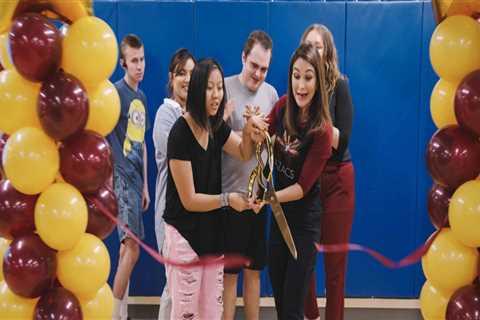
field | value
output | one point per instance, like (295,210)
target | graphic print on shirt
(133,144)
(286,155)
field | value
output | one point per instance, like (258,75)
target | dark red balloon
(467,102)
(29,266)
(438,201)
(476,16)
(453,156)
(86,161)
(35,46)
(62,106)
(104,200)
(3,141)
(16,211)
(464,304)
(58,304)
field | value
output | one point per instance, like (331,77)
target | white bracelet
(224,199)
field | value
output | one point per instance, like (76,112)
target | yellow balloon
(90,50)
(4,243)
(13,306)
(104,110)
(31,160)
(72,9)
(18,102)
(7,8)
(464,213)
(433,302)
(442,103)
(84,269)
(100,307)
(4,57)
(448,264)
(61,216)
(455,48)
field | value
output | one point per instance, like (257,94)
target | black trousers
(290,277)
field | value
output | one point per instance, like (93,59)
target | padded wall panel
(383,64)
(287,22)
(221,29)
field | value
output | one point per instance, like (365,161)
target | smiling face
(214,93)
(304,83)
(255,67)
(180,80)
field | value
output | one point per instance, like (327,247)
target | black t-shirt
(299,159)
(341,111)
(202,230)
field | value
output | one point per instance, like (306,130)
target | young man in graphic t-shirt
(130,182)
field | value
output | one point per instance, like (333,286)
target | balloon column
(451,264)
(56,105)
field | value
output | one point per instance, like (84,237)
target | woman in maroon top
(338,183)
(301,123)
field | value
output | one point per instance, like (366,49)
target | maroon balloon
(35,46)
(86,161)
(29,266)
(438,201)
(476,16)
(16,211)
(104,200)
(62,106)
(3,141)
(467,102)
(464,304)
(58,304)
(453,156)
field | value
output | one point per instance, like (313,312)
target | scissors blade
(281,220)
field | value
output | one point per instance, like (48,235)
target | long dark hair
(319,113)
(177,62)
(196,99)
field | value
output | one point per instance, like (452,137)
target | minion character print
(135,130)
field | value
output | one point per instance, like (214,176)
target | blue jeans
(129,207)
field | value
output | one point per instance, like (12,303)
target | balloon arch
(57,106)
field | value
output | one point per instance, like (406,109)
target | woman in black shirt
(301,122)
(194,222)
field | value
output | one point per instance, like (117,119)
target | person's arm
(179,154)
(343,117)
(164,121)
(145,193)
(192,201)
(315,161)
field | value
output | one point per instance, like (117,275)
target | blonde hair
(330,58)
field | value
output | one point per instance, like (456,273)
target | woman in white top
(179,72)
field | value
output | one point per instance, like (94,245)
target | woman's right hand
(238,201)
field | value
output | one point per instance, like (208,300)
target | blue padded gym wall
(383,50)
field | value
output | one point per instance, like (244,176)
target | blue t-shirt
(128,137)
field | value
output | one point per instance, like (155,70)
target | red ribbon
(412,258)
(234,261)
(229,261)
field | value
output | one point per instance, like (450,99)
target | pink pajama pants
(197,293)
